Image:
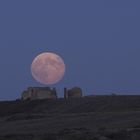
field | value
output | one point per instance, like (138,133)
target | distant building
(75,92)
(34,93)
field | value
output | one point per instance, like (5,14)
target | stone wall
(75,92)
(34,93)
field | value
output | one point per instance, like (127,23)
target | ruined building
(34,93)
(75,92)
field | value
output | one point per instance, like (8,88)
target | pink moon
(48,68)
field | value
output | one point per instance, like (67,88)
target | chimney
(65,93)
(54,92)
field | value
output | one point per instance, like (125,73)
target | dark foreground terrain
(87,118)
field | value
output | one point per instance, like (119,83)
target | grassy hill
(84,115)
(79,105)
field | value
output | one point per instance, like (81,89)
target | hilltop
(75,105)
(84,115)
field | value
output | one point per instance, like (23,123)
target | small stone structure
(75,92)
(34,93)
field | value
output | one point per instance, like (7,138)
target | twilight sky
(99,41)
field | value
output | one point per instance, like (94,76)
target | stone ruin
(75,92)
(34,93)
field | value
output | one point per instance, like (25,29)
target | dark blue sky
(98,39)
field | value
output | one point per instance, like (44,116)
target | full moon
(48,68)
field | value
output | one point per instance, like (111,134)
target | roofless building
(34,93)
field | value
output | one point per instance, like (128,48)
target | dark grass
(87,117)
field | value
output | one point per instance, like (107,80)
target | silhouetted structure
(34,93)
(75,92)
